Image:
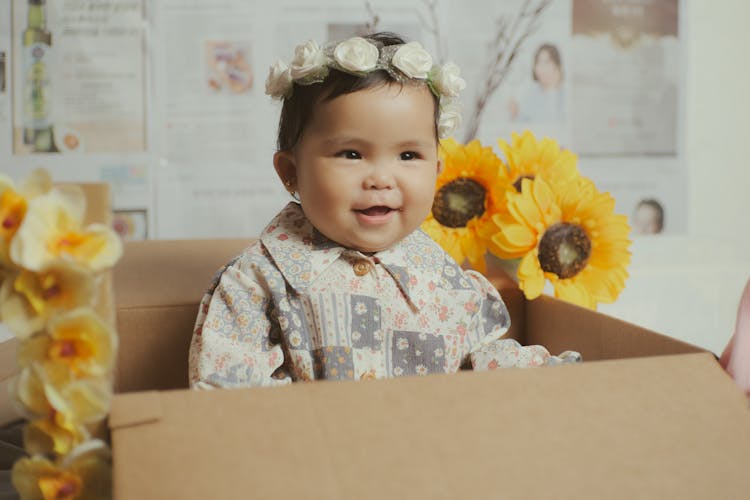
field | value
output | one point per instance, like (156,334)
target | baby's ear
(439,166)
(286,169)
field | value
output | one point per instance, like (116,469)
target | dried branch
(371,26)
(433,27)
(510,35)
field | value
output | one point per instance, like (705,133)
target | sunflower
(568,233)
(528,157)
(468,193)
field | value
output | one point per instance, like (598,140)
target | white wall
(689,287)
(718,109)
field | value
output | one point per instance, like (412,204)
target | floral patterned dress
(297,306)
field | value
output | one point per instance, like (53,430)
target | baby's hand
(564,358)
(508,353)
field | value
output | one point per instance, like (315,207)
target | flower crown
(358,56)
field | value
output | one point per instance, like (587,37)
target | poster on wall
(165,100)
(625,78)
(208,80)
(532,90)
(626,106)
(79,76)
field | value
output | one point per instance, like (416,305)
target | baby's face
(366,165)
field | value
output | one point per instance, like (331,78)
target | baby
(342,283)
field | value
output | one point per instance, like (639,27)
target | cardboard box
(644,428)
(158,285)
(658,427)
(332,440)
(461,430)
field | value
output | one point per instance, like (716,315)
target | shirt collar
(302,254)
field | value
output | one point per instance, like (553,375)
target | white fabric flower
(450,119)
(413,60)
(447,80)
(279,80)
(308,60)
(356,54)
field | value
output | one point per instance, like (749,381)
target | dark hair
(650,202)
(297,110)
(554,54)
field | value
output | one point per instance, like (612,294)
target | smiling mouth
(376,211)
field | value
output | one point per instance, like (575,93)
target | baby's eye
(349,154)
(409,155)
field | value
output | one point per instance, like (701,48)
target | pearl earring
(289,185)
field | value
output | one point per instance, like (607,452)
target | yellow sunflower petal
(531,276)
(462,162)
(544,199)
(531,158)
(516,237)
(576,202)
(570,290)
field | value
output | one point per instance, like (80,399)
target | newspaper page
(626,77)
(165,99)
(79,81)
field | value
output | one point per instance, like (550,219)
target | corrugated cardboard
(98,209)
(659,427)
(158,285)
(557,432)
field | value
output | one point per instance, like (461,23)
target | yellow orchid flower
(59,414)
(28,299)
(86,473)
(54,427)
(13,205)
(53,230)
(76,345)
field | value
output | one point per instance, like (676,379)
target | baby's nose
(379,178)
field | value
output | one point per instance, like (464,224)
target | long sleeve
(492,323)
(235,343)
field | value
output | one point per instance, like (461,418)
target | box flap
(561,326)
(135,409)
(169,272)
(660,427)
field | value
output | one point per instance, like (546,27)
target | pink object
(736,356)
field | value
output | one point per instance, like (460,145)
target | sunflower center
(519,181)
(564,250)
(458,202)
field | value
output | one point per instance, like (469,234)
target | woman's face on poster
(646,220)
(547,72)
